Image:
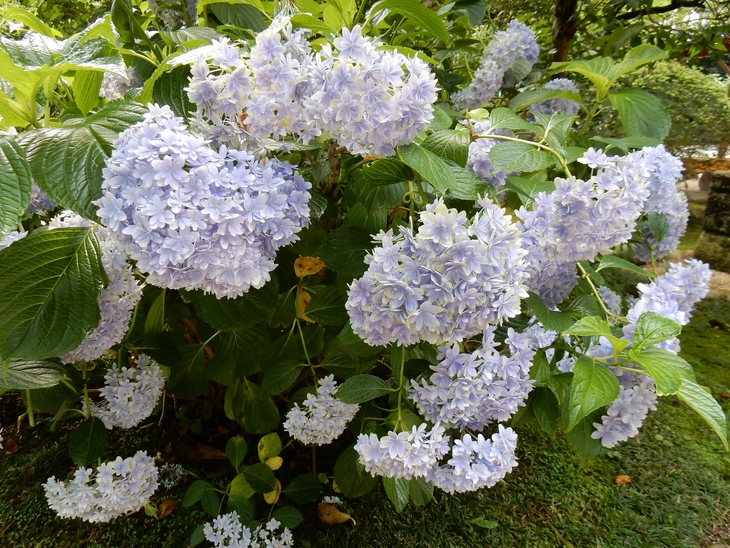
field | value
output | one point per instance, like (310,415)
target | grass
(679,490)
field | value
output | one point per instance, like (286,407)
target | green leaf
(611,142)
(504,118)
(641,113)
(514,156)
(599,70)
(269,446)
(154,323)
(189,377)
(593,386)
(280,376)
(242,16)
(88,442)
(198,535)
(303,20)
(260,477)
(169,90)
(589,326)
(362,388)
(328,306)
(420,491)
(450,144)
(196,491)
(529,187)
(66,161)
(86,86)
(667,360)
(431,167)
(441,119)
(582,440)
(397,491)
(705,405)
(420,15)
(240,488)
(358,216)
(253,408)
(545,407)
(540,371)
(653,328)
(658,223)
(555,321)
(638,56)
(380,185)
(666,375)
(485,523)
(22,15)
(236,449)
(238,354)
(528,98)
(612,261)
(288,516)
(468,186)
(344,251)
(49,288)
(30,375)
(303,489)
(351,478)
(15,184)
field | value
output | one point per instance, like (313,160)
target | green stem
(587,278)
(87,400)
(532,143)
(591,115)
(306,355)
(29,406)
(400,385)
(360,12)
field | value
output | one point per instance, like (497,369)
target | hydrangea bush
(340,241)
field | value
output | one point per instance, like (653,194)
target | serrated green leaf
(344,250)
(327,306)
(589,326)
(600,71)
(288,516)
(667,377)
(31,375)
(169,90)
(303,20)
(420,15)
(196,491)
(611,142)
(593,386)
(88,442)
(303,489)
(260,477)
(362,388)
(638,56)
(582,440)
(189,377)
(22,15)
(237,354)
(705,405)
(242,16)
(515,156)
(450,144)
(528,187)
(247,403)
(658,223)
(528,98)
(641,113)
(240,488)
(15,184)
(653,328)
(553,320)
(86,86)
(504,118)
(281,375)
(441,119)
(236,449)
(612,261)
(358,216)
(545,407)
(420,491)
(154,323)
(431,167)
(351,478)
(49,288)
(468,185)
(397,491)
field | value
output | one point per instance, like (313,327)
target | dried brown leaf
(329,514)
(622,480)
(205,452)
(165,508)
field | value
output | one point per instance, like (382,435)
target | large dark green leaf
(280,376)
(22,375)
(242,16)
(189,377)
(641,113)
(260,477)
(362,388)
(238,353)
(169,89)
(15,183)
(351,478)
(593,386)
(380,185)
(397,491)
(88,442)
(328,306)
(514,156)
(66,161)
(253,408)
(431,167)
(450,144)
(303,489)
(699,399)
(344,250)
(422,17)
(49,286)
(551,319)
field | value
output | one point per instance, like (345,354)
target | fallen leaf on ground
(329,514)
(622,480)
(11,446)
(165,508)
(205,452)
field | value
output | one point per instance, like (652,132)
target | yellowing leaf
(306,266)
(273,496)
(622,480)
(274,462)
(303,299)
(329,514)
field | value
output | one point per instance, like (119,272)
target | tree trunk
(565,26)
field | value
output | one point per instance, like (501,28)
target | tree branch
(674,5)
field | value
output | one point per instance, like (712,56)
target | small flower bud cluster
(116,488)
(477,463)
(403,454)
(322,417)
(518,41)
(478,160)
(130,394)
(473,390)
(116,301)
(196,218)
(673,295)
(665,170)
(444,283)
(226,531)
(566,107)
(170,475)
(39,203)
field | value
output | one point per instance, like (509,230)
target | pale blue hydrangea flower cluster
(116,301)
(403,454)
(474,390)
(476,463)
(39,203)
(370,101)
(197,218)
(478,160)
(610,298)
(517,41)
(130,394)
(581,219)
(115,86)
(540,338)
(665,171)
(444,283)
(568,107)
(116,488)
(226,531)
(673,295)
(322,417)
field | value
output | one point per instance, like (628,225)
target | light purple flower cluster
(322,417)
(370,101)
(611,299)
(116,301)
(116,488)
(196,218)
(39,203)
(473,390)
(477,463)
(407,455)
(665,170)
(226,531)
(673,295)
(581,219)
(130,394)
(444,283)
(478,160)
(115,86)
(567,107)
(518,41)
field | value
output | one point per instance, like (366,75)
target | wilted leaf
(205,452)
(329,514)
(302,301)
(165,508)
(306,266)
(273,496)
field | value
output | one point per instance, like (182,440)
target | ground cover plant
(349,257)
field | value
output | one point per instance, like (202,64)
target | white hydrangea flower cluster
(444,283)
(566,107)
(116,488)
(322,417)
(581,219)
(39,203)
(116,301)
(115,86)
(130,394)
(12,237)
(478,160)
(610,298)
(403,454)
(478,462)
(517,41)
(673,295)
(196,218)
(370,101)
(226,531)
(665,171)
(473,390)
